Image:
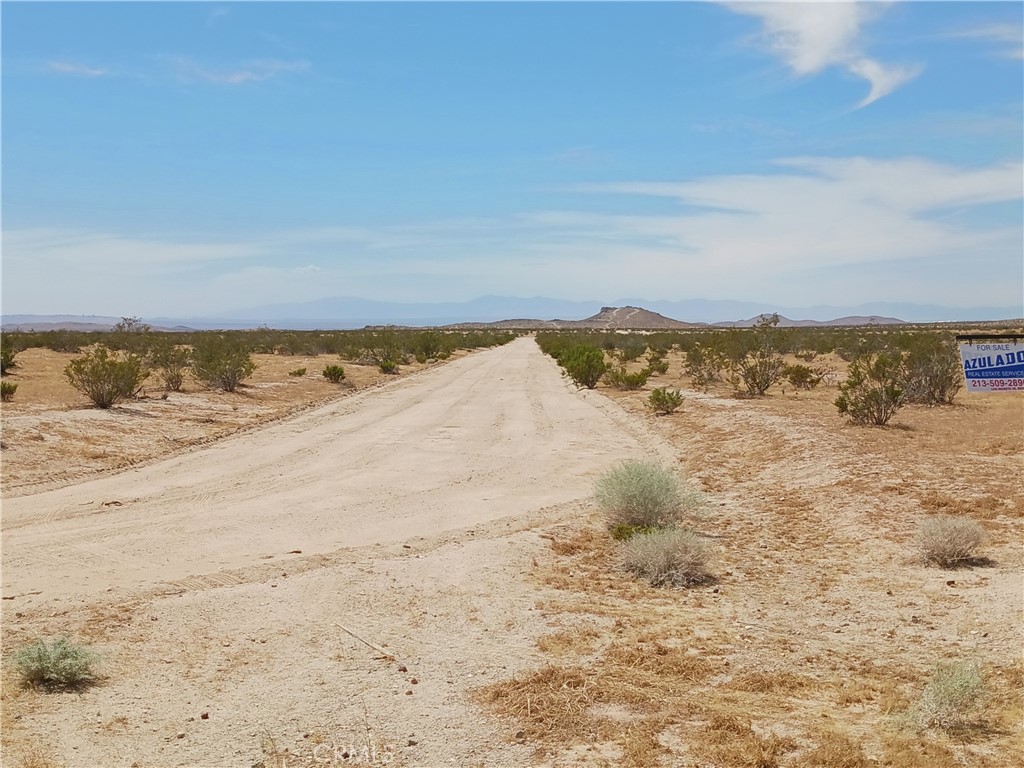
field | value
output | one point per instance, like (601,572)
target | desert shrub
(297,372)
(643,494)
(59,665)
(334,373)
(873,390)
(664,400)
(704,365)
(949,541)
(753,359)
(951,697)
(385,350)
(7,390)
(429,345)
(221,362)
(631,349)
(624,532)
(932,370)
(807,355)
(672,557)
(130,334)
(656,362)
(106,378)
(801,376)
(584,364)
(170,362)
(8,351)
(619,378)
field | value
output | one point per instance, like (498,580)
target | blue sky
(182,159)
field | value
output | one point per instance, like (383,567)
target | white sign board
(996,366)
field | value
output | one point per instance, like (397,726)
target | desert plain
(411,571)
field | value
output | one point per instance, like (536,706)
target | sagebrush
(642,494)
(670,557)
(951,698)
(948,541)
(58,665)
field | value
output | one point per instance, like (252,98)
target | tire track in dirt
(462,444)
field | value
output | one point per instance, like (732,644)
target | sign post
(992,362)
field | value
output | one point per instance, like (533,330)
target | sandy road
(494,434)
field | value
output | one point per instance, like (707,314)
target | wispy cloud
(812,37)
(252,71)
(1008,37)
(75,69)
(903,229)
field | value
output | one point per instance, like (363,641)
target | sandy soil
(444,519)
(215,581)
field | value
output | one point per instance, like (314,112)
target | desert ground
(410,571)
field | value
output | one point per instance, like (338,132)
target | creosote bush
(873,390)
(297,372)
(664,400)
(59,665)
(949,541)
(170,362)
(671,557)
(106,378)
(584,364)
(620,379)
(642,494)
(951,697)
(334,373)
(7,390)
(221,361)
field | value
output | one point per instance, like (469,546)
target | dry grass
(835,750)
(817,615)
(949,541)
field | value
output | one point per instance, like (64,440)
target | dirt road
(488,436)
(216,580)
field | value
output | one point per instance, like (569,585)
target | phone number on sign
(998,383)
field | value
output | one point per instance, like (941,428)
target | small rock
(402,668)
(181,735)
(204,716)
(951,583)
(414,681)
(408,693)
(520,736)
(411,743)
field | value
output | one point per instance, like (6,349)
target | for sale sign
(996,366)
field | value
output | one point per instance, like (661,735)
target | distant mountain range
(348,312)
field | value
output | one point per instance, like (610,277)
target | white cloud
(75,69)
(901,230)
(253,71)
(1010,37)
(812,37)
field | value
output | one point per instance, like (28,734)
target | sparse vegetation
(704,364)
(584,364)
(334,373)
(221,361)
(7,390)
(873,390)
(106,378)
(664,400)
(932,373)
(949,541)
(670,557)
(170,362)
(642,494)
(8,351)
(951,698)
(753,358)
(620,378)
(59,665)
(297,373)
(801,376)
